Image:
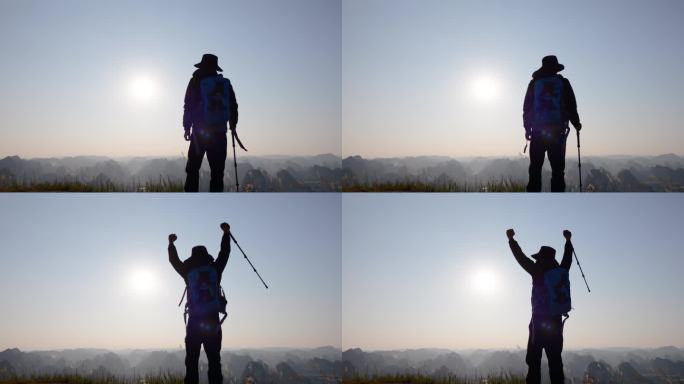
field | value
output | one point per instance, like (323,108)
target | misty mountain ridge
(662,173)
(610,365)
(271,365)
(320,173)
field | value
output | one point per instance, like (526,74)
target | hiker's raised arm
(519,255)
(567,253)
(173,255)
(571,105)
(224,253)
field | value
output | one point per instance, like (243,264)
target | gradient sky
(408,67)
(66,261)
(67,67)
(409,263)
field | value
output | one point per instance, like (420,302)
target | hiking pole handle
(580,268)
(247,258)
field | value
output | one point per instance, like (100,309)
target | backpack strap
(185,313)
(183,297)
(225,312)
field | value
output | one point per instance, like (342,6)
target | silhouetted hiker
(549,105)
(550,302)
(210,105)
(202,275)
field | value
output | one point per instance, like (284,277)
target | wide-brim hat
(209,61)
(199,250)
(550,64)
(544,252)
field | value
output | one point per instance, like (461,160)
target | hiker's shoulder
(566,81)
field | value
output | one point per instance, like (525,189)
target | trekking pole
(579,162)
(237,184)
(580,268)
(247,258)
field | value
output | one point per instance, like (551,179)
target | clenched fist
(510,233)
(225,227)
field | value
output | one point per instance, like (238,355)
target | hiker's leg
(216,155)
(192,168)
(533,358)
(212,347)
(554,348)
(193,343)
(557,161)
(537,153)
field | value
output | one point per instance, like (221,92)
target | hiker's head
(545,253)
(209,62)
(199,251)
(550,64)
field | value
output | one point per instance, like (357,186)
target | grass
(77,379)
(163,185)
(419,186)
(421,379)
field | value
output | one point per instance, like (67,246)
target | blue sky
(412,74)
(435,270)
(68,69)
(67,262)
(374,271)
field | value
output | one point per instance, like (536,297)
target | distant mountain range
(664,173)
(319,173)
(626,365)
(278,366)
(330,173)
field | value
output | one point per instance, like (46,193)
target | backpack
(205,294)
(547,102)
(553,298)
(214,100)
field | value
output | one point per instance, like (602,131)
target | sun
(142,282)
(485,88)
(485,282)
(143,89)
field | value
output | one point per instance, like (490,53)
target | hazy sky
(435,270)
(84,77)
(68,267)
(440,77)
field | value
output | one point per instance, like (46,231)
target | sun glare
(484,282)
(143,89)
(142,282)
(485,88)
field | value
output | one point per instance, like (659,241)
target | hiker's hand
(187,135)
(567,234)
(510,233)
(578,126)
(528,135)
(225,227)
(172,238)
(232,127)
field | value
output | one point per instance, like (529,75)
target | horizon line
(521,348)
(519,155)
(341,156)
(183,155)
(155,349)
